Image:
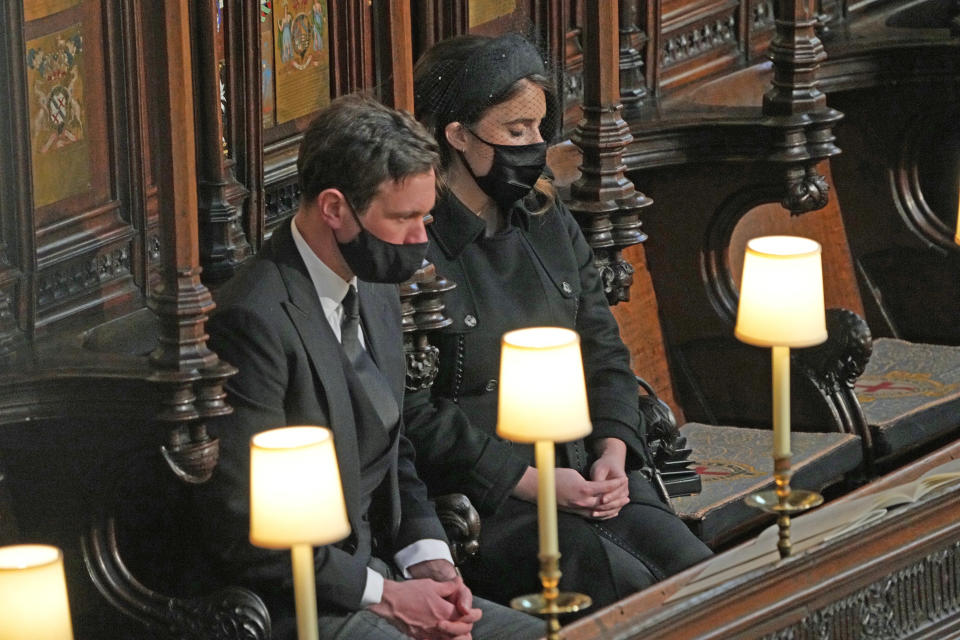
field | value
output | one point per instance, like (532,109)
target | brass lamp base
(784,502)
(537,603)
(551,602)
(798,501)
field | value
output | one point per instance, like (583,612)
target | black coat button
(491,385)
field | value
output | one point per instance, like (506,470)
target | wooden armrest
(668,447)
(461,522)
(838,362)
(135,501)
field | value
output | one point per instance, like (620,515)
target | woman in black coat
(519,259)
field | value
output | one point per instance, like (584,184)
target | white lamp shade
(781,293)
(295,492)
(542,392)
(33,594)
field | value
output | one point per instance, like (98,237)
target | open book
(830,521)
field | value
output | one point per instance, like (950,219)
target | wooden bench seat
(735,462)
(910,394)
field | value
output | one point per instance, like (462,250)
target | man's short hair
(356,143)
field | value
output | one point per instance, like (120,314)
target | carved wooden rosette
(796,107)
(223,244)
(603,199)
(422,310)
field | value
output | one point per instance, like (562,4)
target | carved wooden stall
(150,150)
(748,149)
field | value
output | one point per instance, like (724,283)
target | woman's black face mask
(374,260)
(515,169)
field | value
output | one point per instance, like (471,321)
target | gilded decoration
(484,11)
(35,9)
(301,57)
(59,152)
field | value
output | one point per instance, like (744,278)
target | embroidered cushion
(910,393)
(734,462)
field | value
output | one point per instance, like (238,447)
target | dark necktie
(374,386)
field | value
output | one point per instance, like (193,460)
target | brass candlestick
(784,502)
(552,602)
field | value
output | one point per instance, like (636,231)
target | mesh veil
(459,79)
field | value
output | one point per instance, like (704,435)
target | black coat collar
(455,226)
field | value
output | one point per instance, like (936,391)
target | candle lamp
(543,400)
(781,306)
(33,594)
(296,502)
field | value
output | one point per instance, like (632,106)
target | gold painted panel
(34,9)
(60,155)
(301,56)
(483,11)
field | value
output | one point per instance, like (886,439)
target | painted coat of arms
(302,58)
(54,73)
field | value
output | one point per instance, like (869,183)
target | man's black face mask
(374,260)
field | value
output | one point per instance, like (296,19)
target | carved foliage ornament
(899,605)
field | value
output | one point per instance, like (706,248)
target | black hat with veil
(458,79)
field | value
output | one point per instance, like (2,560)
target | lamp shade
(542,392)
(781,293)
(33,594)
(295,492)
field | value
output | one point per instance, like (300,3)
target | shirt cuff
(373,591)
(420,551)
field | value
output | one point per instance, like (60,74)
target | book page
(826,523)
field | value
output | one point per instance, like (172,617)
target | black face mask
(515,170)
(374,260)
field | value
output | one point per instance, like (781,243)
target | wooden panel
(698,39)
(639,322)
(80,130)
(825,226)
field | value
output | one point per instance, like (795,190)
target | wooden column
(396,24)
(17,302)
(633,87)
(189,372)
(421,297)
(223,244)
(797,108)
(603,199)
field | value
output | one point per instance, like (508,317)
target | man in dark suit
(290,323)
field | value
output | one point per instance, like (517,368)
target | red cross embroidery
(886,385)
(702,471)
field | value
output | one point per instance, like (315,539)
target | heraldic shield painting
(301,58)
(59,149)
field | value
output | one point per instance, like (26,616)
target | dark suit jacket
(271,326)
